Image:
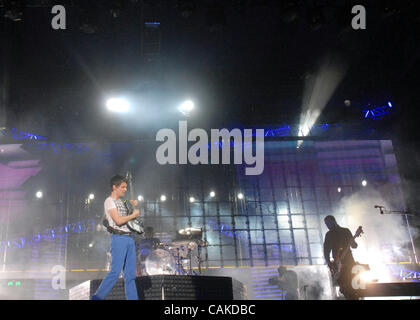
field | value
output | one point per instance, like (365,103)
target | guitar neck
(130,186)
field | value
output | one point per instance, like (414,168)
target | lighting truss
(378,112)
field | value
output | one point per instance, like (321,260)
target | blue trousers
(123,253)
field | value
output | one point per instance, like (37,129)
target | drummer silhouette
(145,248)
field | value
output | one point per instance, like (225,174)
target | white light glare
(162,198)
(364,183)
(192,199)
(186,107)
(39,194)
(366,276)
(339,189)
(140,198)
(118,105)
(91,196)
(240,196)
(212,194)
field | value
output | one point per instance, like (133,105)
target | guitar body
(135,225)
(337,266)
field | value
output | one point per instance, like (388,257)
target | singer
(123,248)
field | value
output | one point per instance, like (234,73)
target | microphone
(380,208)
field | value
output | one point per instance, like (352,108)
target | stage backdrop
(279,221)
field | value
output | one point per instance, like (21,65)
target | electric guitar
(136,224)
(337,264)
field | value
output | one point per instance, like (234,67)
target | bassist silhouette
(339,241)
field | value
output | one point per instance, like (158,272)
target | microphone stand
(405,214)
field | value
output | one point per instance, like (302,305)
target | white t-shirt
(111,203)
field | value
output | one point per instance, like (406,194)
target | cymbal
(177,244)
(160,245)
(190,231)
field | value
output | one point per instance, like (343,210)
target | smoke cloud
(386,238)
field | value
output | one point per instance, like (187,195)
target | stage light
(91,244)
(187,7)
(240,196)
(339,189)
(390,104)
(119,105)
(140,198)
(316,18)
(212,194)
(116,9)
(91,196)
(289,12)
(13,10)
(216,18)
(186,107)
(364,183)
(162,198)
(192,199)
(39,194)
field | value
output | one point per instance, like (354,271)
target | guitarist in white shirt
(123,248)
(337,239)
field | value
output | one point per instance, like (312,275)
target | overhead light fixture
(212,194)
(187,7)
(116,9)
(216,19)
(140,198)
(186,107)
(240,196)
(39,194)
(289,12)
(91,196)
(13,10)
(162,198)
(316,18)
(119,105)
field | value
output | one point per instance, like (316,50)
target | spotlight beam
(318,91)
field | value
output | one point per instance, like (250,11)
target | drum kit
(176,257)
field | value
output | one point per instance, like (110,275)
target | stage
(169,287)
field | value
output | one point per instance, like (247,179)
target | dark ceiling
(241,61)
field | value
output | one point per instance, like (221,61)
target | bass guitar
(337,264)
(136,224)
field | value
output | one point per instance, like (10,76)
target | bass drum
(160,261)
